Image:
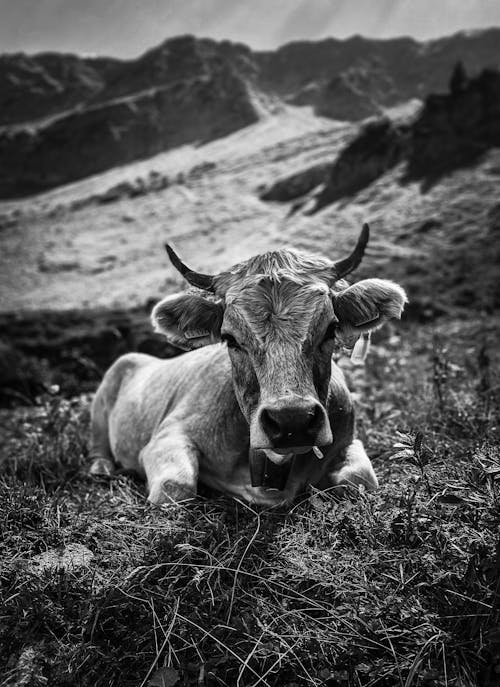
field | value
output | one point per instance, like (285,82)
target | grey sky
(126,28)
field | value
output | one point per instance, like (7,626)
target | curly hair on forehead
(285,264)
(284,307)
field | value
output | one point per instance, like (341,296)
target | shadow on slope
(452,131)
(455,130)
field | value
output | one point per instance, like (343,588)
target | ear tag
(361,348)
(196,333)
(317,452)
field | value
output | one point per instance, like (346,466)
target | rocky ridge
(452,130)
(64,117)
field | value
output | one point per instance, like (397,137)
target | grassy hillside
(99,243)
(397,588)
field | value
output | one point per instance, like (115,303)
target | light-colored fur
(198,417)
(177,421)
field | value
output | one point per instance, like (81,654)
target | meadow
(398,588)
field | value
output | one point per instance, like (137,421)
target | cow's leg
(102,462)
(171,467)
(355,469)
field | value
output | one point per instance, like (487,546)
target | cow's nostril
(271,423)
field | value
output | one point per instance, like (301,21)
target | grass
(400,588)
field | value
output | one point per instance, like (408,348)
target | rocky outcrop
(296,185)
(36,87)
(380,145)
(452,130)
(455,129)
(343,98)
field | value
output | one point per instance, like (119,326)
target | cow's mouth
(292,450)
(269,473)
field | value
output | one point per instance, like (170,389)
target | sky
(126,28)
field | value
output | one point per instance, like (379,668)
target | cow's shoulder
(200,365)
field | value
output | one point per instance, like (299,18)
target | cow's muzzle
(290,422)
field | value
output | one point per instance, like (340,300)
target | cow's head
(279,314)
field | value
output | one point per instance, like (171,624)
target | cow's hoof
(351,477)
(170,492)
(102,467)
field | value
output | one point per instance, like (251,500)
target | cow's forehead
(280,305)
(284,263)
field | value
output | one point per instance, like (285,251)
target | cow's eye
(329,334)
(230,340)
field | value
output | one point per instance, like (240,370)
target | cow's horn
(347,265)
(202,281)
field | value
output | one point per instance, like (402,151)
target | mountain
(64,117)
(387,72)
(125,129)
(452,130)
(36,87)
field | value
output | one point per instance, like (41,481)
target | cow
(256,407)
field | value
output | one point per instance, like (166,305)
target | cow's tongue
(265,473)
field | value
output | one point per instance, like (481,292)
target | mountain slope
(35,87)
(388,71)
(99,243)
(118,131)
(65,117)
(451,130)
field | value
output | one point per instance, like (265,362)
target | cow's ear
(367,305)
(188,320)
